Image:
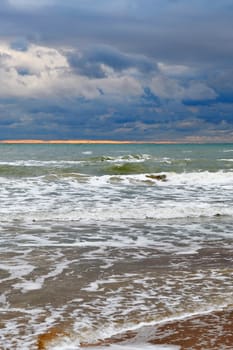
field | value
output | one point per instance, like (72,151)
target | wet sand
(212,331)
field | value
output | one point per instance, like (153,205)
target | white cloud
(45,72)
(174,69)
(37,58)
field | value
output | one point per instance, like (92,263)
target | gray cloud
(20,44)
(90,62)
(140,69)
(106,118)
(176,32)
(174,89)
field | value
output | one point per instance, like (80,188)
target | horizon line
(91,141)
(82,141)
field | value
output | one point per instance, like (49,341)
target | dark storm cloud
(90,62)
(82,118)
(175,31)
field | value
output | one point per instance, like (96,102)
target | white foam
(87,152)
(226,160)
(202,178)
(169,210)
(139,342)
(142,346)
(17,271)
(98,285)
(41,163)
(194,179)
(27,286)
(66,344)
(130,158)
(22,271)
(3,300)
(70,199)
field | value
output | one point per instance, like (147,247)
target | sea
(98,240)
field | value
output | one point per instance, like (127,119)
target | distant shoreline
(84,142)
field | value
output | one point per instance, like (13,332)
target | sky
(117,69)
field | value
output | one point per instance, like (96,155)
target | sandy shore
(212,331)
(83,142)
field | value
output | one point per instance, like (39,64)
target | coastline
(105,142)
(28,141)
(208,330)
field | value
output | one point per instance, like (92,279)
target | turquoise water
(97,239)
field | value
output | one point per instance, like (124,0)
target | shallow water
(93,242)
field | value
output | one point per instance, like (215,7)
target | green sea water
(100,159)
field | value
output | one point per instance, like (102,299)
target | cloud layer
(129,69)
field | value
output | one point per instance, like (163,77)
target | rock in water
(161,177)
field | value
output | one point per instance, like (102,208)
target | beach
(127,246)
(210,330)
